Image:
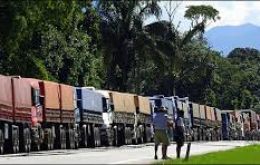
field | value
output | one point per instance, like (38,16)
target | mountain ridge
(226,38)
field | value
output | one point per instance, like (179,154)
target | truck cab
(37,113)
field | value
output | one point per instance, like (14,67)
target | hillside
(226,38)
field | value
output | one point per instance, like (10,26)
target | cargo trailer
(218,120)
(143,120)
(195,120)
(249,123)
(19,115)
(203,127)
(89,117)
(184,104)
(225,126)
(158,101)
(119,117)
(56,129)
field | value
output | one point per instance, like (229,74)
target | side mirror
(41,100)
(112,107)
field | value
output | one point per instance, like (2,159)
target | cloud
(231,12)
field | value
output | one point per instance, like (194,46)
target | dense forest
(106,44)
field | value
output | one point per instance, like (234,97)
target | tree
(48,40)
(121,27)
(170,43)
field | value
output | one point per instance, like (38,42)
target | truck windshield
(35,96)
(158,102)
(105,105)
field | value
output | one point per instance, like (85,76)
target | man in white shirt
(160,124)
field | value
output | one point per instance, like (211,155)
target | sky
(231,12)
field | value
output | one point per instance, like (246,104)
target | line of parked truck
(43,115)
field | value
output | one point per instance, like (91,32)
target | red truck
(57,127)
(36,113)
(18,114)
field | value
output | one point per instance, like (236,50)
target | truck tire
(1,142)
(71,139)
(30,140)
(96,136)
(116,137)
(64,139)
(1,149)
(15,140)
(25,140)
(110,137)
(37,147)
(126,135)
(84,137)
(52,140)
(49,141)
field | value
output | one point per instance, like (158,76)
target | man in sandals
(160,124)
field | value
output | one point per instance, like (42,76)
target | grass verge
(240,155)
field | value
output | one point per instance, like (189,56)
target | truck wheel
(30,140)
(49,139)
(25,140)
(64,139)
(15,140)
(84,137)
(14,149)
(98,137)
(71,139)
(1,142)
(110,137)
(52,140)
(115,137)
(95,137)
(1,149)
(17,146)
(37,147)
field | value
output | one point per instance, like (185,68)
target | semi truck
(57,127)
(89,116)
(250,125)
(195,121)
(203,122)
(218,120)
(119,117)
(143,119)
(227,124)
(17,115)
(158,101)
(184,104)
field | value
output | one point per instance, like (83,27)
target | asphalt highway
(130,154)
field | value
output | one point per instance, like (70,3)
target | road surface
(123,155)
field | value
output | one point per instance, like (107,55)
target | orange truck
(143,121)
(55,115)
(126,118)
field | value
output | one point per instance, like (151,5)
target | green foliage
(122,30)
(48,40)
(108,46)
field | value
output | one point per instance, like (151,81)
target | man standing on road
(160,124)
(179,132)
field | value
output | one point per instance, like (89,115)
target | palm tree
(122,26)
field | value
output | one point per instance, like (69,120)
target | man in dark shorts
(179,132)
(160,123)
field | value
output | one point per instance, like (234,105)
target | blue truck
(89,116)
(167,102)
